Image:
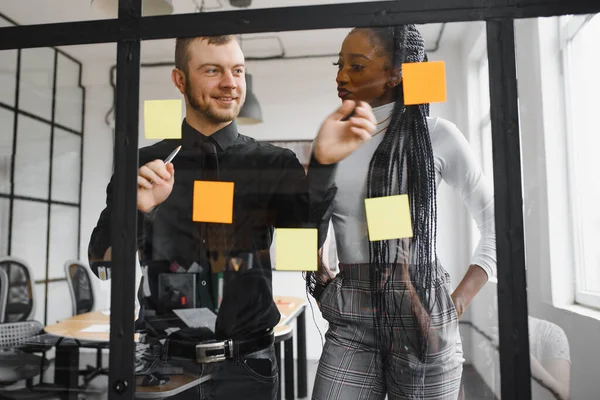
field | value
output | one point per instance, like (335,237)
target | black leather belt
(217,351)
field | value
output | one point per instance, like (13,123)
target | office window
(485,123)
(581,56)
(41,139)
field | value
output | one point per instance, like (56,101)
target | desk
(176,384)
(291,308)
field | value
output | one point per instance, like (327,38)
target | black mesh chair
(20,302)
(79,278)
(80,286)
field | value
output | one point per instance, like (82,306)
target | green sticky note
(296,249)
(162,119)
(388,217)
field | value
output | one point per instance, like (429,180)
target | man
(270,190)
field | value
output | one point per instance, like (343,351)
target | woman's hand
(458,303)
(468,288)
(338,137)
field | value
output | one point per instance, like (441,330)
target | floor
(473,386)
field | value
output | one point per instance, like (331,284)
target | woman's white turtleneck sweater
(454,163)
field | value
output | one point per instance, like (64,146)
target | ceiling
(299,43)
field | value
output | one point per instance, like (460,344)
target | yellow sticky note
(296,249)
(424,82)
(213,202)
(388,217)
(162,119)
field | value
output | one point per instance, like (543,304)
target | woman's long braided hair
(406,147)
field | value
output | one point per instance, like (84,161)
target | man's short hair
(182,56)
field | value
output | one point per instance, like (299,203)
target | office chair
(79,280)
(20,304)
(17,365)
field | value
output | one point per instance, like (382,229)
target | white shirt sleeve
(460,170)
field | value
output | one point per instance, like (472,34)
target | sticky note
(388,217)
(213,202)
(162,119)
(296,249)
(424,82)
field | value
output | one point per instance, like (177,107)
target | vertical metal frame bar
(124,210)
(11,205)
(83,105)
(51,156)
(515,371)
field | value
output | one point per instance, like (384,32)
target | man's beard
(217,118)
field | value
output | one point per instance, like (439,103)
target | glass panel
(37,77)
(59,302)
(8,76)
(556,97)
(66,166)
(30,222)
(79,294)
(582,81)
(64,224)
(233,5)
(6,148)
(40,302)
(46,13)
(69,94)
(4,223)
(206,260)
(32,160)
(8,72)
(484,87)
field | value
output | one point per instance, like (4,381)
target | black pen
(347,117)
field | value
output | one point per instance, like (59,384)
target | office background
(60,178)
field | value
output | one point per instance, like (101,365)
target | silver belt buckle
(202,348)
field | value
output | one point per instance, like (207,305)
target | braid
(406,145)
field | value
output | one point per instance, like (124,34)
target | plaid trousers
(351,367)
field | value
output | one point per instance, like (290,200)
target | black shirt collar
(223,138)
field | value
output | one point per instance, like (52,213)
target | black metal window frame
(53,124)
(130,28)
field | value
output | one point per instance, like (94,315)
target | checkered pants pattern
(350,366)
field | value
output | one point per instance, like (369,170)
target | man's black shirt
(271,190)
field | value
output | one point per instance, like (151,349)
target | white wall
(295,96)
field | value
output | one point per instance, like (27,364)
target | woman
(393,320)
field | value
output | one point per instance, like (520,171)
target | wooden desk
(74,327)
(291,308)
(176,384)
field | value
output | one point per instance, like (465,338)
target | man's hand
(155,182)
(337,139)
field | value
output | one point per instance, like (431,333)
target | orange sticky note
(213,202)
(388,217)
(162,119)
(424,82)
(296,249)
